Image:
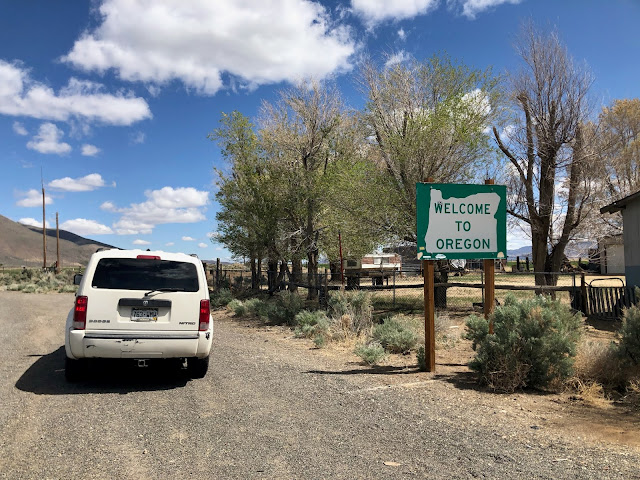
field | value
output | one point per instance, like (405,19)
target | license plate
(144,314)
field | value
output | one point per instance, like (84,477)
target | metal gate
(608,303)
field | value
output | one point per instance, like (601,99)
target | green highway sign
(461,221)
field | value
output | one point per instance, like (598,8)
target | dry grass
(597,362)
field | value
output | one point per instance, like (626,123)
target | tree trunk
(254,275)
(539,256)
(296,274)
(272,275)
(312,273)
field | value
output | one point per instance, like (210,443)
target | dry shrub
(447,333)
(598,362)
(632,396)
(590,392)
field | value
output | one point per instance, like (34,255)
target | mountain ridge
(21,245)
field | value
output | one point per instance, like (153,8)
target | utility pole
(44,226)
(57,246)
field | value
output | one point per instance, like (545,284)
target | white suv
(140,305)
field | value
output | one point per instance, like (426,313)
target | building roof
(621,204)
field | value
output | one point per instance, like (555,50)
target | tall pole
(341,261)
(57,245)
(44,232)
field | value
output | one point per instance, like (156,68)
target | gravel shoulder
(273,407)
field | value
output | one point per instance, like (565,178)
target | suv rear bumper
(83,344)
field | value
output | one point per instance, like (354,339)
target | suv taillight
(205,311)
(80,313)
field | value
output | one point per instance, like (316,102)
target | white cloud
(169,244)
(138,138)
(21,96)
(167,205)
(402,34)
(90,150)
(470,8)
(203,245)
(33,198)
(256,41)
(48,140)
(19,129)
(377,11)
(87,183)
(108,207)
(32,222)
(188,239)
(396,58)
(141,242)
(82,226)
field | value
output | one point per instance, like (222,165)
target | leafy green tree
(307,137)
(249,212)
(424,119)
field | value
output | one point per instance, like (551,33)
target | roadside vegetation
(37,281)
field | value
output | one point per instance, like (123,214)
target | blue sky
(113,99)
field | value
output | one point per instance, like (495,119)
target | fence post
(394,287)
(326,286)
(217,273)
(583,294)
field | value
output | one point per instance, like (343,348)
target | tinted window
(145,274)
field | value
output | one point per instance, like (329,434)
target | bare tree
(550,148)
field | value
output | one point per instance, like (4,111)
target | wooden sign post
(489,282)
(429,317)
(458,222)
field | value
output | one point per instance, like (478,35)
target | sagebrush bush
(371,353)
(287,306)
(629,336)
(237,307)
(262,310)
(534,342)
(310,323)
(221,297)
(394,335)
(38,281)
(252,305)
(422,359)
(353,309)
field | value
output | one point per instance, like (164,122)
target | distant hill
(22,245)
(576,249)
(521,252)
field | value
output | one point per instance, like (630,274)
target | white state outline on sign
(443,225)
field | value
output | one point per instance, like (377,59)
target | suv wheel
(74,370)
(197,367)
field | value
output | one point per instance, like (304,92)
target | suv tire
(198,367)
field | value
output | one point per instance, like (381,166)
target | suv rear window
(145,274)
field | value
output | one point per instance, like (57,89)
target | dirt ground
(597,420)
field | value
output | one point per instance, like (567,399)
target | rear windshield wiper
(167,289)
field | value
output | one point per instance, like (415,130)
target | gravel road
(268,408)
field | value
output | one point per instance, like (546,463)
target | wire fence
(455,291)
